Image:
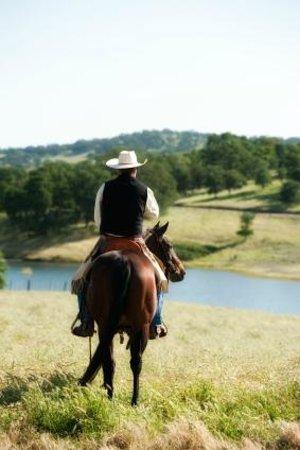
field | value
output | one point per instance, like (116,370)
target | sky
(83,69)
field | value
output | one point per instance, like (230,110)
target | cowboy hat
(127,160)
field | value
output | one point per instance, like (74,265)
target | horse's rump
(122,290)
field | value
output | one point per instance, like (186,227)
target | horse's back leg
(108,363)
(137,346)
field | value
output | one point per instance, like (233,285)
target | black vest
(123,205)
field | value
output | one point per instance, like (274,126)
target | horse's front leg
(137,346)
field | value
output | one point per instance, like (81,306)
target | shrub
(187,251)
(246,222)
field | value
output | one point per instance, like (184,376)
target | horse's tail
(120,279)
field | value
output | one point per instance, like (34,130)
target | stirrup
(158,331)
(83,330)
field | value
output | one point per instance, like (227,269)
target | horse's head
(162,248)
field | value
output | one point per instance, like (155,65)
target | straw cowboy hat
(127,160)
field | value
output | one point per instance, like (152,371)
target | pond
(210,287)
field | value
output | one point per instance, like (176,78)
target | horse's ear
(163,229)
(156,227)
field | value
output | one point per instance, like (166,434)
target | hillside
(153,140)
(202,237)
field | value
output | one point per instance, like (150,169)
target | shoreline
(183,305)
(197,265)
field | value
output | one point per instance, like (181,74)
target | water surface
(211,287)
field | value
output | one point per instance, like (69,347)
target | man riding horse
(121,205)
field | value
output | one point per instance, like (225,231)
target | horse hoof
(82,383)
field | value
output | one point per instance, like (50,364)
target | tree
(180,170)
(10,178)
(215,179)
(229,152)
(262,175)
(290,192)
(2,271)
(38,194)
(37,203)
(14,203)
(58,178)
(197,170)
(246,222)
(234,179)
(292,161)
(88,176)
(264,149)
(158,178)
(63,207)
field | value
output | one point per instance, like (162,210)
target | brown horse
(122,296)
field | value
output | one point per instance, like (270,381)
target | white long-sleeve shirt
(151,207)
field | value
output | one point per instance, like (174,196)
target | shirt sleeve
(97,209)
(152,208)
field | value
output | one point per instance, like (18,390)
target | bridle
(169,266)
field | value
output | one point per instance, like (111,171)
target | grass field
(222,379)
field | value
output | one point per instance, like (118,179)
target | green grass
(207,238)
(249,197)
(188,251)
(221,375)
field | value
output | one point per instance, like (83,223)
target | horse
(122,297)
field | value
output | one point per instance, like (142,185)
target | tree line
(58,193)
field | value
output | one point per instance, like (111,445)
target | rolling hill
(154,141)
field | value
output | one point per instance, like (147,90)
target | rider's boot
(158,331)
(86,327)
(157,328)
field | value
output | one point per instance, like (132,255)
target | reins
(90,348)
(90,338)
(166,266)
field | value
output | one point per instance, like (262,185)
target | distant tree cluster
(56,194)
(229,162)
(51,196)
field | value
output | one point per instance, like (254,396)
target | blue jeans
(84,314)
(157,319)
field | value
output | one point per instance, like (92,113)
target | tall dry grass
(222,379)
